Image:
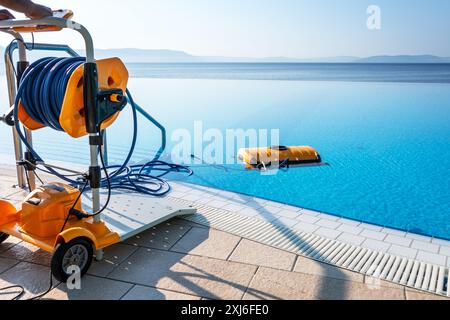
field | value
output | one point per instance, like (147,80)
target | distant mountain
(142,55)
(149,56)
(131,55)
(403,59)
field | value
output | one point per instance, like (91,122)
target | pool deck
(381,239)
(185,260)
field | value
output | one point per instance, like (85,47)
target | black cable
(28,180)
(74,205)
(39,178)
(18,296)
(47,291)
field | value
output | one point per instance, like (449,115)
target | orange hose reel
(112,74)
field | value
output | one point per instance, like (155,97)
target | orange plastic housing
(45,209)
(112,74)
(43,215)
(252,157)
(8,213)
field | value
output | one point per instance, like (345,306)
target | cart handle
(50,24)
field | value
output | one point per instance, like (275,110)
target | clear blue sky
(261,28)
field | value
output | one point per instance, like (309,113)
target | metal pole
(90,59)
(90,63)
(105,148)
(11,81)
(28,134)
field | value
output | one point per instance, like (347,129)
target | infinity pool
(388,144)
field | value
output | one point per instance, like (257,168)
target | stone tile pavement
(198,263)
(383,239)
(182,260)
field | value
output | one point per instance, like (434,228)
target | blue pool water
(388,144)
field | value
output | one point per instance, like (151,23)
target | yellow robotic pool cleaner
(279,157)
(78,96)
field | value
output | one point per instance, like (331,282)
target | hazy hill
(404,59)
(131,55)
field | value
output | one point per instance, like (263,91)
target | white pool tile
(197,192)
(253,204)
(394,232)
(401,241)
(227,194)
(291,208)
(351,239)
(307,218)
(350,229)
(432,258)
(310,212)
(375,235)
(271,209)
(286,222)
(249,212)
(204,201)
(233,207)
(177,194)
(376,245)
(289,214)
(444,250)
(441,242)
(403,251)
(349,222)
(306,227)
(328,233)
(328,224)
(418,237)
(371,227)
(266,216)
(274,204)
(219,204)
(328,217)
(182,188)
(425,246)
(192,197)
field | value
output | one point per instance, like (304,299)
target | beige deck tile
(198,276)
(161,237)
(412,294)
(92,288)
(208,243)
(34,278)
(6,264)
(8,244)
(147,293)
(250,252)
(29,253)
(308,266)
(114,256)
(277,284)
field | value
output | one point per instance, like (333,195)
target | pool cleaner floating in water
(279,157)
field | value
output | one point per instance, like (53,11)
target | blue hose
(42,90)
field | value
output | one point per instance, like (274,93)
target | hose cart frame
(86,237)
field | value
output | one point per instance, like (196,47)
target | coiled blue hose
(42,89)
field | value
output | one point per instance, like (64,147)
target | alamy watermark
(374,19)
(74,280)
(219,147)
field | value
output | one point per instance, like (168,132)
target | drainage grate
(410,273)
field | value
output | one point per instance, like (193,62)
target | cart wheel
(78,252)
(3,237)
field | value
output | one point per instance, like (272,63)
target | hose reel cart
(52,216)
